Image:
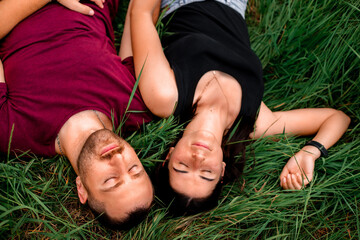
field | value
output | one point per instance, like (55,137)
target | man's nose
(117,159)
(120,165)
(117,156)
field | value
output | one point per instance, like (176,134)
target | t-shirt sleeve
(3,93)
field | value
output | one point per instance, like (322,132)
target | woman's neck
(210,120)
(218,98)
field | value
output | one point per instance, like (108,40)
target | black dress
(206,36)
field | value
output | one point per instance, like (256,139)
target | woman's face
(196,164)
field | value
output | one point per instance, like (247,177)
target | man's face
(111,173)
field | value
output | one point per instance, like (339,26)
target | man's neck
(76,131)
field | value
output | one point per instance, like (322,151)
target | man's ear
(223,169)
(169,153)
(82,192)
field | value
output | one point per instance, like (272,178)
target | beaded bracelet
(322,149)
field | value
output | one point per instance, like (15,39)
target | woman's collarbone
(216,88)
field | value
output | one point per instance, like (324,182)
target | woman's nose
(198,156)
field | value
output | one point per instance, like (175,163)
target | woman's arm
(157,81)
(328,125)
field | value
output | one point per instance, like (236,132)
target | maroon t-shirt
(57,63)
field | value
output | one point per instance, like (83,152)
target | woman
(209,75)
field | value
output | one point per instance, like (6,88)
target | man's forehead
(120,203)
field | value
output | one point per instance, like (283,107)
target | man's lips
(108,148)
(202,145)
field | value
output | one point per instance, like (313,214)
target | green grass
(310,51)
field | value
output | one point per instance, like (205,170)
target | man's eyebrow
(180,171)
(207,179)
(138,174)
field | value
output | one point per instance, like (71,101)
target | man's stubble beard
(91,148)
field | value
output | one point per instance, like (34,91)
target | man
(62,84)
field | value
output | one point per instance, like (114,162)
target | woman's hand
(327,124)
(299,170)
(2,75)
(76,6)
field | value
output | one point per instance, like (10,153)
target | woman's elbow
(345,117)
(161,103)
(342,119)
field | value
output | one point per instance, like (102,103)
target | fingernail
(284,180)
(91,12)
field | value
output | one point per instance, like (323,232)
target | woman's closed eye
(207,178)
(207,175)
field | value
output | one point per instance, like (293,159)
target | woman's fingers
(283,182)
(290,182)
(293,181)
(297,183)
(76,6)
(100,3)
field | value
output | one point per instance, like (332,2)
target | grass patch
(310,52)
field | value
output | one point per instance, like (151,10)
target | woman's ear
(82,192)
(169,153)
(223,168)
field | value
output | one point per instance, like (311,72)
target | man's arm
(125,46)
(3,88)
(2,75)
(157,82)
(328,125)
(14,11)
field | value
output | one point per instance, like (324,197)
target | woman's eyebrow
(183,164)
(180,171)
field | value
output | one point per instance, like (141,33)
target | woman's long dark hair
(233,146)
